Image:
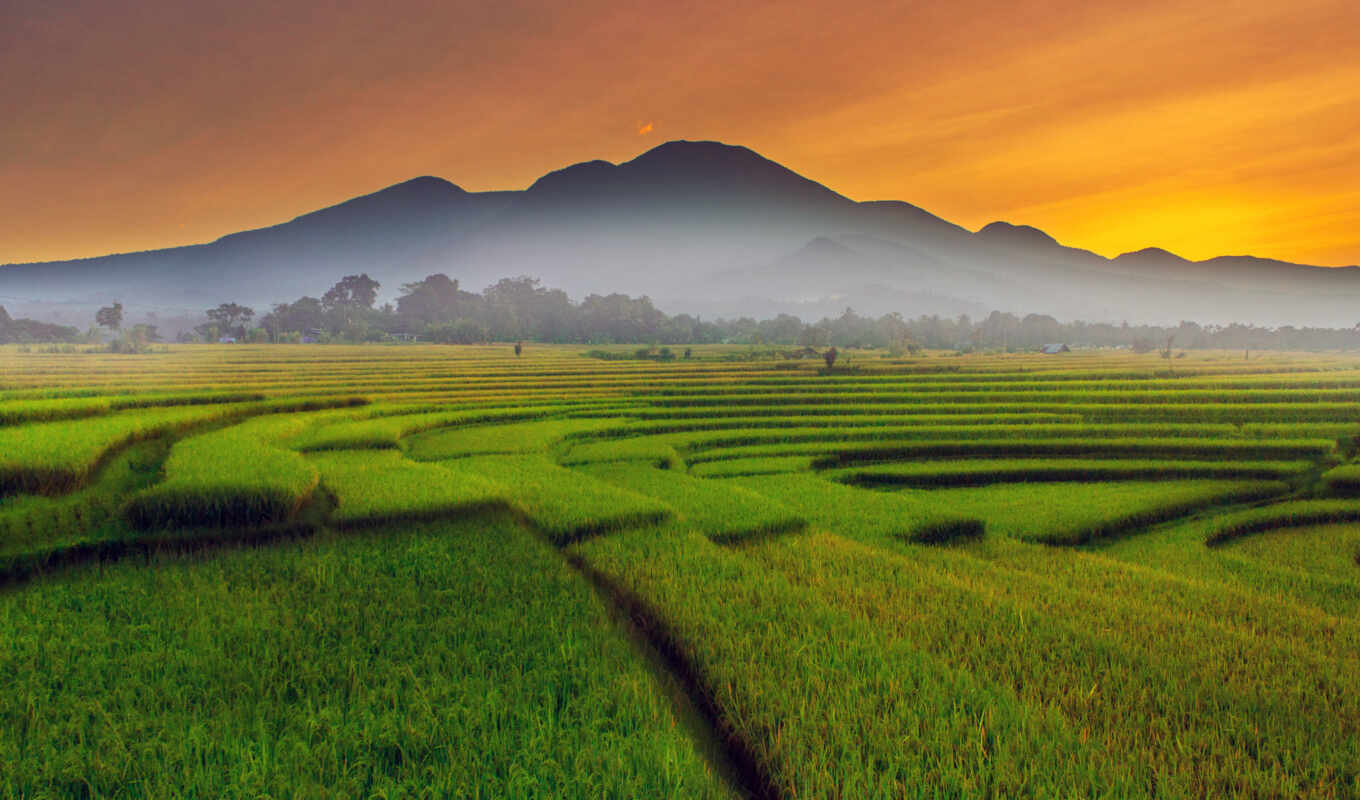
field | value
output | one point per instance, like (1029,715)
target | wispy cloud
(645,128)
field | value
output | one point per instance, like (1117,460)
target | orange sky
(1204,126)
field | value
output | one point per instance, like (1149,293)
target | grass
(1114,661)
(736,467)
(449,611)
(1090,447)
(988,471)
(845,712)
(1293,514)
(878,515)
(1329,551)
(1344,479)
(722,512)
(56,457)
(387,430)
(522,437)
(650,450)
(371,487)
(1048,513)
(232,477)
(566,505)
(462,660)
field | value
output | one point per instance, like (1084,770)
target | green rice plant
(854,658)
(1236,449)
(1325,552)
(458,659)
(1292,514)
(1344,479)
(738,467)
(34,524)
(877,515)
(56,457)
(1178,552)
(1235,413)
(1048,513)
(520,437)
(1116,654)
(722,512)
(658,452)
(1127,396)
(386,431)
(656,422)
(376,486)
(822,700)
(232,477)
(15,412)
(1128,507)
(565,504)
(988,471)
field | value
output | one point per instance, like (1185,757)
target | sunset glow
(1203,127)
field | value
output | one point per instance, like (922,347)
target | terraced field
(450,572)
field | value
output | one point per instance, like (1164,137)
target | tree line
(437,309)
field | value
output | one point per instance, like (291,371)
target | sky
(1207,127)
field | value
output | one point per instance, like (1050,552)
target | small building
(226,340)
(1054,349)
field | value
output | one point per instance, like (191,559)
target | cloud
(645,128)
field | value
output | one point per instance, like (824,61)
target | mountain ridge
(689,219)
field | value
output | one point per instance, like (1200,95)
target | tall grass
(233,477)
(454,660)
(723,512)
(371,487)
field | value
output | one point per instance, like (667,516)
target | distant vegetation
(28,330)
(520,309)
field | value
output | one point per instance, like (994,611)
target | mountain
(703,227)
(410,223)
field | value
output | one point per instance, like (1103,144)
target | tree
(352,292)
(464,331)
(231,318)
(110,317)
(434,300)
(302,317)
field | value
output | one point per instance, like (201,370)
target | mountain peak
(686,150)
(711,163)
(1007,233)
(679,174)
(1150,254)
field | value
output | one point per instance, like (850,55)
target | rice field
(448,571)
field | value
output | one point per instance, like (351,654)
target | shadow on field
(728,754)
(649,632)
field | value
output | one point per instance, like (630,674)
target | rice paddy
(422,571)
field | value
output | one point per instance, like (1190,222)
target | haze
(1204,127)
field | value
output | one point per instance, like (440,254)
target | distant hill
(696,225)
